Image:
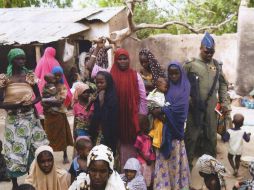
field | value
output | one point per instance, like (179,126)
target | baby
(156,99)
(49,92)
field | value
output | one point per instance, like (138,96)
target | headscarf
(209,165)
(13,53)
(176,113)
(208,41)
(249,184)
(101,58)
(107,114)
(45,66)
(138,183)
(155,67)
(57,179)
(100,152)
(79,89)
(126,84)
(58,69)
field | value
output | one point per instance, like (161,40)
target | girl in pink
(146,155)
(82,109)
(45,66)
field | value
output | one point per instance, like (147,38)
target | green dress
(201,138)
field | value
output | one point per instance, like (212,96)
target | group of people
(124,121)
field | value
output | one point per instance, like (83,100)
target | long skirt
(23,135)
(58,131)
(172,173)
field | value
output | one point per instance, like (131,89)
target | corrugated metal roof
(44,25)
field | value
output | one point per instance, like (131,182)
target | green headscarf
(13,53)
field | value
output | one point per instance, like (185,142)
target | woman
(101,174)
(56,123)
(131,95)
(44,175)
(132,175)
(45,66)
(23,132)
(171,166)
(104,122)
(151,70)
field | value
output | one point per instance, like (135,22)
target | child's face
(51,79)
(130,174)
(162,85)
(85,95)
(101,82)
(58,76)
(83,152)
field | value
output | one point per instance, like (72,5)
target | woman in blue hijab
(172,168)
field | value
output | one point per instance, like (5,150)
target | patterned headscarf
(155,67)
(80,88)
(209,165)
(138,182)
(13,53)
(101,58)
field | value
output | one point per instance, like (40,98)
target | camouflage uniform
(202,138)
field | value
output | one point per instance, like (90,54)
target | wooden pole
(37,53)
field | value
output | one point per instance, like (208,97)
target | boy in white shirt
(235,137)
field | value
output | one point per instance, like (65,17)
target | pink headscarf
(45,66)
(80,88)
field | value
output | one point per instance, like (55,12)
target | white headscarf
(138,183)
(100,152)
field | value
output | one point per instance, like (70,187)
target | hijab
(176,113)
(79,89)
(155,67)
(107,114)
(138,182)
(126,84)
(57,179)
(100,152)
(45,66)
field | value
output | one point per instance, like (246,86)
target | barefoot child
(79,164)
(235,137)
(146,155)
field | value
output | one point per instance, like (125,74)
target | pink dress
(144,144)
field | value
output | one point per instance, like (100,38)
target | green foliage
(36,3)
(110,3)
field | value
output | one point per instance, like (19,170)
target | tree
(35,3)
(189,16)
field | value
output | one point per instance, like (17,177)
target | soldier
(207,81)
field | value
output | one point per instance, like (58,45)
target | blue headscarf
(58,69)
(176,113)
(208,41)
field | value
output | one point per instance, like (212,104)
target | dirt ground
(197,181)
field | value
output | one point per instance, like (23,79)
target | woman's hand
(101,97)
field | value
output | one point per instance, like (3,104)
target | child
(82,109)
(132,175)
(156,99)
(79,163)
(146,155)
(105,118)
(49,92)
(3,169)
(235,137)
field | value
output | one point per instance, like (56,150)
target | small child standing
(79,164)
(82,109)
(235,137)
(156,99)
(146,155)
(3,169)
(49,92)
